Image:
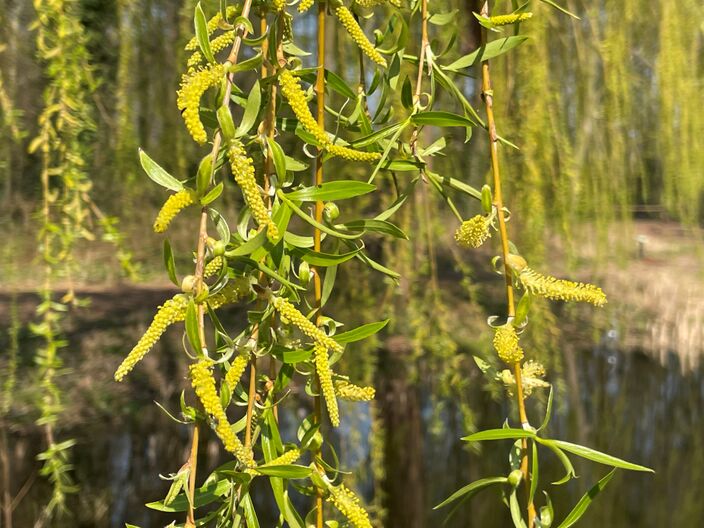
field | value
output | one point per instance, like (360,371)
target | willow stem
(317,282)
(192,467)
(200,253)
(488,96)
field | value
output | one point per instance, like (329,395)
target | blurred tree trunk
(404,488)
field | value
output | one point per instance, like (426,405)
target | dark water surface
(625,403)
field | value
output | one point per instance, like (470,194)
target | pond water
(622,402)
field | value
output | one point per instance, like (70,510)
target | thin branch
(488,97)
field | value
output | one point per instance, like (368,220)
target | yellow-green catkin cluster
(289,457)
(506,344)
(305,5)
(170,312)
(473,232)
(232,378)
(552,288)
(506,20)
(296,318)
(374,3)
(214,266)
(212,25)
(232,292)
(243,171)
(174,204)
(218,44)
(279,5)
(349,505)
(296,97)
(193,86)
(532,374)
(351,392)
(322,368)
(345,16)
(204,385)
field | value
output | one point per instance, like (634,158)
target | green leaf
(335,190)
(560,8)
(201,27)
(374,137)
(378,267)
(192,326)
(471,489)
(169,262)
(290,471)
(515,510)
(442,19)
(535,471)
(157,174)
(316,258)
(309,219)
(548,411)
(458,185)
(212,195)
(596,456)
(277,154)
(586,500)
(499,434)
(328,283)
(221,225)
(250,246)
(378,226)
(204,495)
(250,514)
(441,119)
(361,332)
(491,50)
(251,110)
(566,463)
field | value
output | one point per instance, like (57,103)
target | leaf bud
(331,211)
(514,478)
(188,283)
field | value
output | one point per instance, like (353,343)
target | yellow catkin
(232,292)
(351,392)
(322,368)
(279,5)
(232,378)
(532,374)
(173,205)
(216,45)
(349,505)
(351,154)
(214,266)
(170,312)
(243,171)
(212,25)
(296,97)
(204,385)
(289,457)
(193,86)
(473,232)
(305,5)
(506,344)
(345,16)
(560,289)
(296,318)
(174,311)
(552,288)
(505,20)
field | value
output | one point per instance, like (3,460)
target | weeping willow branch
(320,115)
(488,97)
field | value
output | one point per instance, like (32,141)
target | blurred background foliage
(608,183)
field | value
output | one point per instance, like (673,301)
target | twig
(488,97)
